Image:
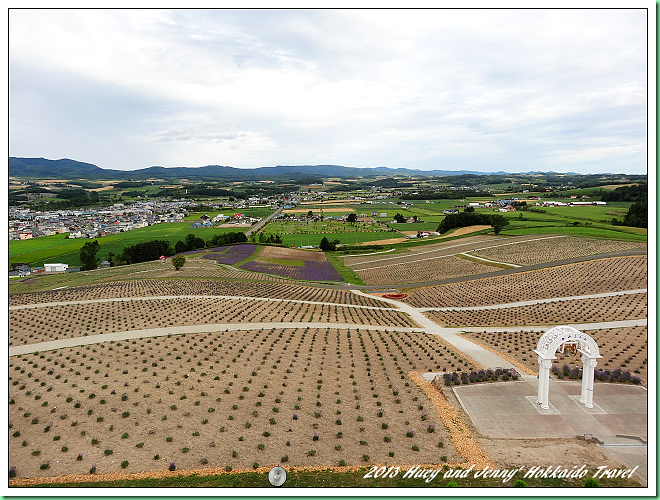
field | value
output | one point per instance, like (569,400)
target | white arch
(546,348)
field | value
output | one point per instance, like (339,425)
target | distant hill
(70,169)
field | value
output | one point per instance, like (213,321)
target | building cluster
(93,223)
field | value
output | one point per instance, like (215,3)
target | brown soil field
(189,397)
(458,232)
(419,272)
(151,288)
(624,348)
(423,252)
(582,278)
(536,252)
(292,254)
(29,326)
(622,307)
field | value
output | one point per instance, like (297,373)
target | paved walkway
(216,297)
(537,301)
(508,410)
(178,330)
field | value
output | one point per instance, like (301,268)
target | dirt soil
(269,252)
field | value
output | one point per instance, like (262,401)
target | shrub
(410,433)
(591,483)
(168,439)
(383,425)
(64,449)
(124,464)
(185,450)
(44,466)
(415,448)
(108,451)
(261,446)
(12,471)
(172,466)
(452,484)
(311,453)
(156,457)
(365,457)
(520,484)
(92,469)
(255,465)
(204,461)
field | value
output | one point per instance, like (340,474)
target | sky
(487,90)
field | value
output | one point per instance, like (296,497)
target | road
(264,221)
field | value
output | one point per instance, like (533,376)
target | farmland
(575,311)
(219,374)
(183,398)
(597,276)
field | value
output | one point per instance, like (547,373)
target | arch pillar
(544,382)
(588,365)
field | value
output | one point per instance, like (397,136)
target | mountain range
(71,169)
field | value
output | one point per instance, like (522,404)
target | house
(105,263)
(21,267)
(56,268)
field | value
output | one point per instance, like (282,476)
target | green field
(35,252)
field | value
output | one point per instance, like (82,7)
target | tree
(399,218)
(498,222)
(468,209)
(88,255)
(351,218)
(180,247)
(326,246)
(178,261)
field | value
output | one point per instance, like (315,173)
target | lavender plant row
(603,375)
(310,271)
(233,255)
(214,249)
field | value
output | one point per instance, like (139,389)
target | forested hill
(68,169)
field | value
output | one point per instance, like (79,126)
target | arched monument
(567,337)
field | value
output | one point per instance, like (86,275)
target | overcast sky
(486,90)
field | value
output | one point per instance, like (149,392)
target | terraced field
(313,396)
(568,247)
(583,278)
(623,307)
(27,326)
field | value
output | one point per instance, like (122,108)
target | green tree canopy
(88,255)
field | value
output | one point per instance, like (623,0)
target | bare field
(624,348)
(29,326)
(419,272)
(291,254)
(315,396)
(537,252)
(151,288)
(622,307)
(582,278)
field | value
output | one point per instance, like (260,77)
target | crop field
(583,278)
(622,348)
(422,271)
(622,307)
(536,252)
(53,322)
(155,288)
(227,399)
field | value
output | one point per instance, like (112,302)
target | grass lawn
(67,251)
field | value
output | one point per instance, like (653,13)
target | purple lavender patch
(310,271)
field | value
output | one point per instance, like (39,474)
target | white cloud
(364,87)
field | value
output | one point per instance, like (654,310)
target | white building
(56,268)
